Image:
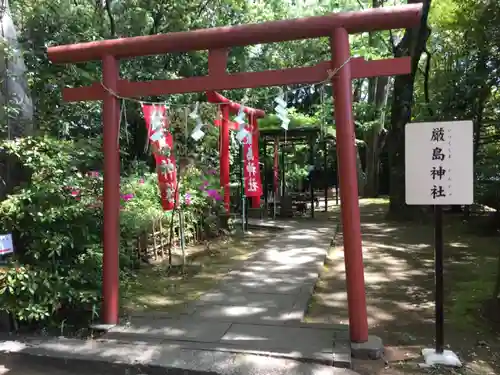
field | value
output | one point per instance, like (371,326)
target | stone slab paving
(246,314)
(115,358)
(186,329)
(258,308)
(250,324)
(228,297)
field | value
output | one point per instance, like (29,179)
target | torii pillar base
(373,348)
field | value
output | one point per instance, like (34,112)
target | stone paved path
(251,323)
(257,309)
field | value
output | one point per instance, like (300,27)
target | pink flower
(75,193)
(93,174)
(204,185)
(141,180)
(214,194)
(187,199)
(127,197)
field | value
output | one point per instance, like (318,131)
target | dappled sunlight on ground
(399,279)
(158,288)
(257,309)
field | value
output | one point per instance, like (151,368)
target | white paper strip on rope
(197,133)
(279,100)
(281,110)
(195,115)
(285,123)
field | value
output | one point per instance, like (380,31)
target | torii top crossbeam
(218,40)
(231,36)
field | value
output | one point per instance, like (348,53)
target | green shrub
(55,233)
(56,220)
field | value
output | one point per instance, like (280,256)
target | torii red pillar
(230,107)
(111,121)
(346,153)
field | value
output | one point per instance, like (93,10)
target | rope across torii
(230,107)
(336,26)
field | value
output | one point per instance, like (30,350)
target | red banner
(253,186)
(163,146)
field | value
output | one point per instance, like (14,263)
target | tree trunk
(377,99)
(478,113)
(356,96)
(361,174)
(377,96)
(16,113)
(412,44)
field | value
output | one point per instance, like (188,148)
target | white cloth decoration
(197,133)
(240,118)
(281,110)
(194,115)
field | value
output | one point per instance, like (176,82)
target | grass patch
(165,289)
(466,300)
(399,278)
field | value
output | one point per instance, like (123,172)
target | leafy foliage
(56,221)
(55,233)
(56,215)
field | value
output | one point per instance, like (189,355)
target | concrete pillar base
(371,349)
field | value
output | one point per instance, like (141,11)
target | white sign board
(6,246)
(439,168)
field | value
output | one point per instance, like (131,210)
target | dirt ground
(399,286)
(399,281)
(159,288)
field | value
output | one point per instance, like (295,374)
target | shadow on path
(399,280)
(251,323)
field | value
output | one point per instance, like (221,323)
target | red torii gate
(227,108)
(336,26)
